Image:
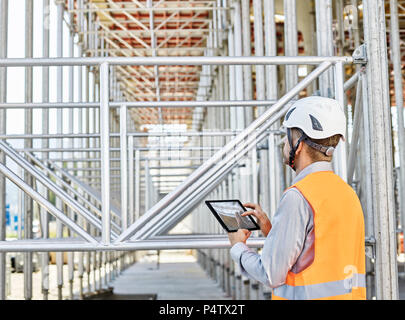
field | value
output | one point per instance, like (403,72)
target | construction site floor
(177,277)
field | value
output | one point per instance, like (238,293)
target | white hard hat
(318,117)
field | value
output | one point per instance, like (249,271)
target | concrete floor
(16,290)
(178,277)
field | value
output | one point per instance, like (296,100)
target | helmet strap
(328,151)
(293,149)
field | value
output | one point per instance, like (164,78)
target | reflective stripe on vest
(321,290)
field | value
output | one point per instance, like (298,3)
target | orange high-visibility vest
(338,268)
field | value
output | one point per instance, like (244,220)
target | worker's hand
(239,236)
(262,219)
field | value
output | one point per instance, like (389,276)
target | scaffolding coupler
(360,55)
(370,247)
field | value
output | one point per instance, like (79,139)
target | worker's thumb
(246,232)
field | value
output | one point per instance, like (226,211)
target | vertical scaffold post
(70,255)
(3,95)
(105,152)
(131,182)
(261,95)
(291,49)
(399,102)
(324,37)
(380,146)
(28,202)
(137,184)
(80,20)
(340,157)
(59,130)
(274,167)
(45,144)
(124,167)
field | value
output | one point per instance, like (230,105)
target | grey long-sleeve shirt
(291,237)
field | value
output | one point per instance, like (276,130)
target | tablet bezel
(216,214)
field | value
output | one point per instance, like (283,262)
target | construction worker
(314,247)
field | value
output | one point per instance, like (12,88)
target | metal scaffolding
(158,105)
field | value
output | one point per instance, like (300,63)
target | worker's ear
(300,148)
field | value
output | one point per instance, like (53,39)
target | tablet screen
(230,214)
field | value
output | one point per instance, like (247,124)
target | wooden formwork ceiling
(152,28)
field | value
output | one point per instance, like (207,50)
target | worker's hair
(314,154)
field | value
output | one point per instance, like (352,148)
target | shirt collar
(313,167)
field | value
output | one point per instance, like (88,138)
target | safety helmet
(317,118)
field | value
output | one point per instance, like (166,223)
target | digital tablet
(228,213)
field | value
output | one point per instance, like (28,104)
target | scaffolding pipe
(105,154)
(246,51)
(324,39)
(139,104)
(399,102)
(168,61)
(59,130)
(340,158)
(51,246)
(229,151)
(238,51)
(28,203)
(356,132)
(71,189)
(380,147)
(44,216)
(261,95)
(131,182)
(137,185)
(131,134)
(115,150)
(61,194)
(3,124)
(70,22)
(46,204)
(94,195)
(124,167)
(192,201)
(275,168)
(351,81)
(168,158)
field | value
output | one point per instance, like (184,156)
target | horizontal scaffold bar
(168,158)
(139,104)
(156,243)
(79,245)
(164,61)
(133,134)
(162,148)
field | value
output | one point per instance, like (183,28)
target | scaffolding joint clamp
(360,55)
(370,247)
